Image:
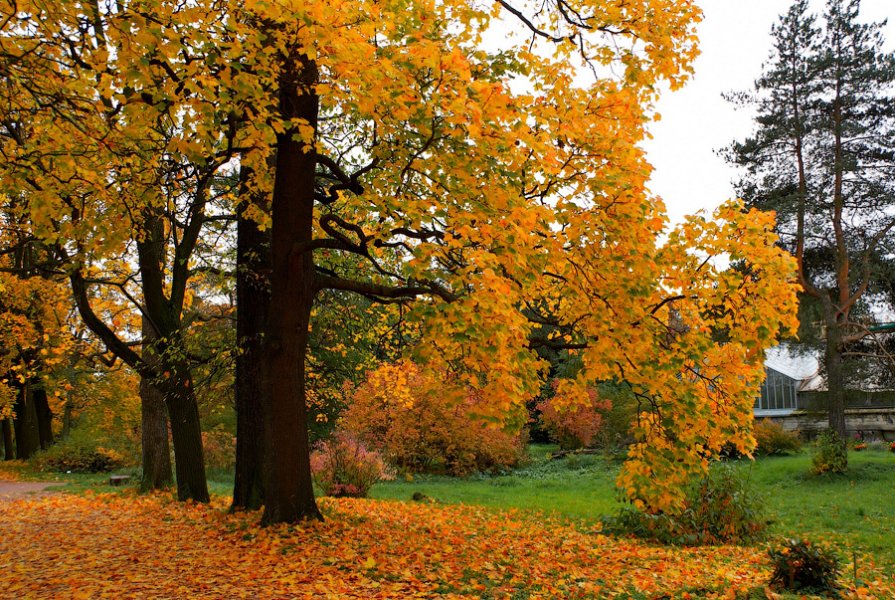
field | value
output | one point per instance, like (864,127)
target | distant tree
(823,158)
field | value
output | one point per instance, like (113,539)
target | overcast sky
(735,41)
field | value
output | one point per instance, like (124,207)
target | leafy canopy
(481,159)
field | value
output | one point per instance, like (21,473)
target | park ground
(532,533)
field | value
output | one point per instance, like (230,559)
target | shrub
(422,424)
(771,438)
(341,466)
(830,455)
(720,508)
(79,457)
(572,422)
(801,566)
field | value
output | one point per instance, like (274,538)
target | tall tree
(399,135)
(106,90)
(251,386)
(822,156)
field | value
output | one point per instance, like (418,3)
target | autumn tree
(821,157)
(499,177)
(104,138)
(34,336)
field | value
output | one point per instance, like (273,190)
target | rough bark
(186,434)
(25,424)
(252,304)
(289,494)
(44,417)
(156,454)
(9,451)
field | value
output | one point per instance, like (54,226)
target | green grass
(576,486)
(855,507)
(854,510)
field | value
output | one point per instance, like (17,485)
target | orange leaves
(109,546)
(430,421)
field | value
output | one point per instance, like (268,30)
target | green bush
(830,454)
(801,566)
(79,456)
(771,439)
(721,508)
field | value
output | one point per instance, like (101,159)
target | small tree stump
(116,480)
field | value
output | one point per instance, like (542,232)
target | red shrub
(572,422)
(342,466)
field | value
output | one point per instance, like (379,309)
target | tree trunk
(835,383)
(289,493)
(66,417)
(252,304)
(186,433)
(25,425)
(156,454)
(9,452)
(44,417)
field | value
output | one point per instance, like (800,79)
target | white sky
(735,41)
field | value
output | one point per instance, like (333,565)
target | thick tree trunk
(156,454)
(25,425)
(289,493)
(252,304)
(44,417)
(186,433)
(9,451)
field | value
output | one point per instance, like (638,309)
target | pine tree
(822,157)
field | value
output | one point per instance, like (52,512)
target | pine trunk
(835,383)
(289,493)
(156,454)
(252,305)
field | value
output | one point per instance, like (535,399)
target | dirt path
(10,490)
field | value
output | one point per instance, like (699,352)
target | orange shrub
(572,422)
(771,438)
(425,425)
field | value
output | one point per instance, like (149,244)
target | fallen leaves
(108,546)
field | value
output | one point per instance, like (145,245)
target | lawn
(852,509)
